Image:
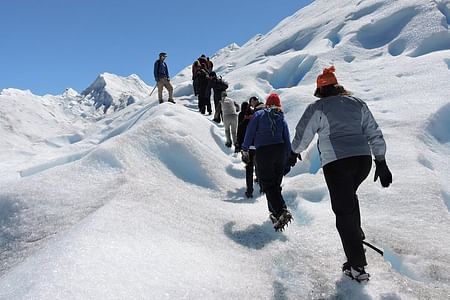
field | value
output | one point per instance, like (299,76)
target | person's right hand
(293,158)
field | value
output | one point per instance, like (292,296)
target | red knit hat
(327,77)
(272,100)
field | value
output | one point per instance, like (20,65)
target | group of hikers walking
(348,136)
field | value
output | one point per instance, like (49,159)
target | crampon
(358,274)
(283,221)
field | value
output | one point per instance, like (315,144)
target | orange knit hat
(327,77)
(272,100)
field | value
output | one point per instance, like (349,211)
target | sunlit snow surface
(147,202)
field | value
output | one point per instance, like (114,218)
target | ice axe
(373,247)
(153,90)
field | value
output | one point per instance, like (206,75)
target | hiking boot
(357,273)
(249,194)
(171,101)
(228,144)
(161,101)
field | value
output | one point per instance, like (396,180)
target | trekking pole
(152,91)
(373,247)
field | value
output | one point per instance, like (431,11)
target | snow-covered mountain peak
(112,90)
(70,93)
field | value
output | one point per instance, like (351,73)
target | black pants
(249,170)
(204,103)
(343,178)
(217,97)
(271,160)
(195,86)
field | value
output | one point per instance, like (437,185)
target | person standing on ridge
(348,135)
(161,73)
(269,133)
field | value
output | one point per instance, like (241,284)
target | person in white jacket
(230,111)
(348,135)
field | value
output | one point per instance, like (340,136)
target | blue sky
(49,45)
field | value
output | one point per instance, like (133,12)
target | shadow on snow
(255,236)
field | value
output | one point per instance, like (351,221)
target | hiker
(204,98)
(230,111)
(256,104)
(269,133)
(218,85)
(195,68)
(348,134)
(202,80)
(244,117)
(161,73)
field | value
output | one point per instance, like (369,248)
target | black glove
(383,172)
(245,157)
(293,158)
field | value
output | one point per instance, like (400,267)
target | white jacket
(229,106)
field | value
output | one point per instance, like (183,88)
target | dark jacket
(217,85)
(202,83)
(160,70)
(243,121)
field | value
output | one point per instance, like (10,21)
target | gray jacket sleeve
(373,133)
(307,127)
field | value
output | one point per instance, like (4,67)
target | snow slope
(149,204)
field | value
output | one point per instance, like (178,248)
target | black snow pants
(343,178)
(270,161)
(204,103)
(249,168)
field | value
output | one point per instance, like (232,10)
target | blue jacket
(160,70)
(267,127)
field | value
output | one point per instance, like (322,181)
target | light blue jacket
(345,126)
